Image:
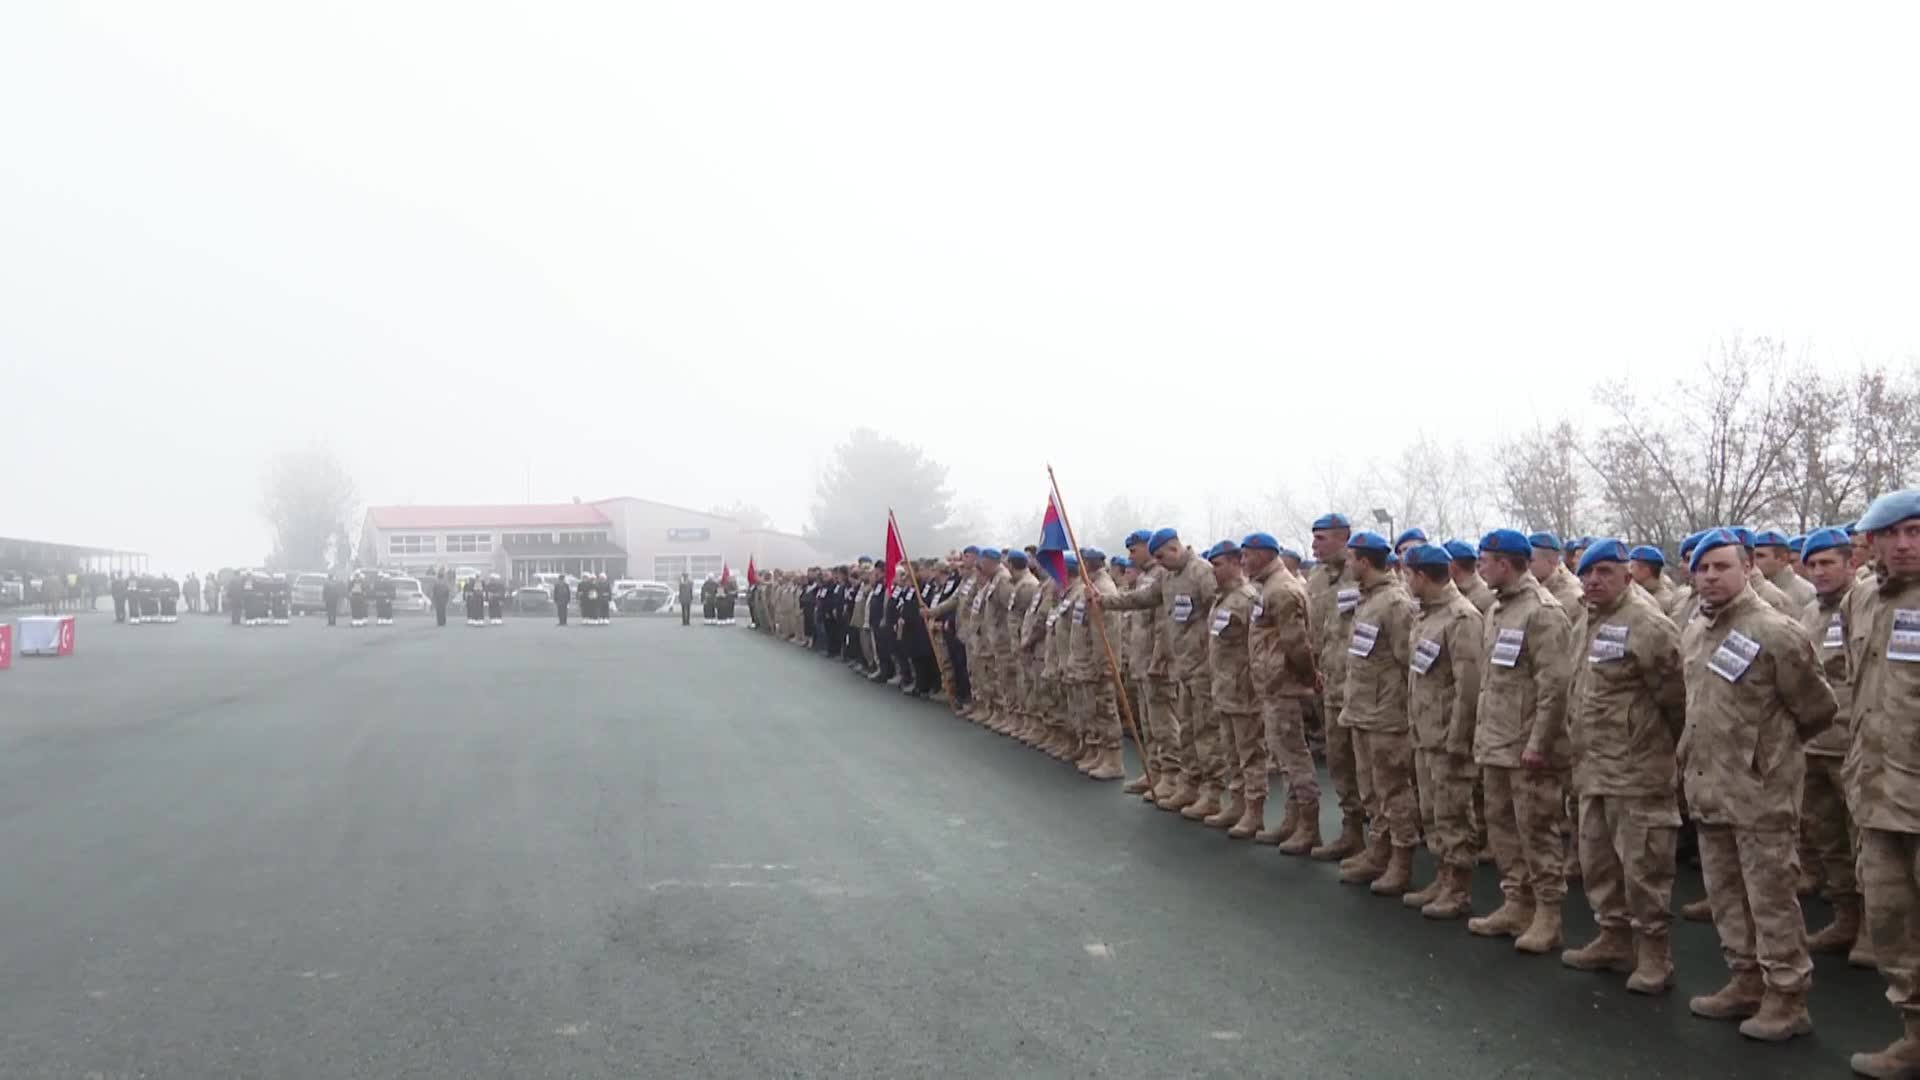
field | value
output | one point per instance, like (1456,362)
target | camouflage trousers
(1343,765)
(1890,881)
(1826,828)
(1626,859)
(985,679)
(1203,753)
(1523,827)
(1247,771)
(1446,806)
(1160,728)
(1285,723)
(1750,876)
(1096,717)
(1386,761)
(1009,698)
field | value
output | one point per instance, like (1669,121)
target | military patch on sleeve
(1182,608)
(1346,600)
(1903,641)
(1506,646)
(1364,636)
(1221,620)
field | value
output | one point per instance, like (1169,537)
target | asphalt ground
(643,850)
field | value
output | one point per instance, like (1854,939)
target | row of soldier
(1565,704)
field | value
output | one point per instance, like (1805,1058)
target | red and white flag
(6,646)
(896,551)
(753,576)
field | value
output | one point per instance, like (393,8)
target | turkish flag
(896,551)
(66,637)
(753,576)
(6,646)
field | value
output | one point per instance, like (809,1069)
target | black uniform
(442,592)
(476,602)
(882,613)
(589,599)
(686,601)
(120,599)
(280,599)
(330,600)
(562,596)
(496,600)
(236,601)
(729,595)
(357,601)
(383,600)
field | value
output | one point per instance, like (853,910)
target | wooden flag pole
(946,680)
(1100,624)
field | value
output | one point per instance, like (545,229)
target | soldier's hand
(1319,683)
(1533,760)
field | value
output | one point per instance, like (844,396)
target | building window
(583,538)
(668,568)
(469,543)
(528,539)
(410,545)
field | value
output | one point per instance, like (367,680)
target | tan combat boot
(1543,933)
(1185,795)
(1162,790)
(1612,950)
(1514,916)
(1455,898)
(1352,836)
(1783,1014)
(1289,821)
(1653,973)
(1228,814)
(1398,876)
(1087,757)
(1306,835)
(1423,897)
(1901,1059)
(1840,934)
(1252,821)
(1107,765)
(1861,955)
(1370,863)
(1737,1000)
(1203,807)
(1138,785)
(1700,910)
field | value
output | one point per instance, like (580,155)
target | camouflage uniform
(1088,672)
(1442,703)
(989,606)
(1379,653)
(1475,589)
(1184,596)
(1883,773)
(1148,664)
(1626,714)
(1754,695)
(1332,595)
(1524,680)
(1282,651)
(1230,664)
(1826,827)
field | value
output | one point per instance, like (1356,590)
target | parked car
(409,598)
(646,598)
(531,600)
(309,594)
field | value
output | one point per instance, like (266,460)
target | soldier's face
(1254,560)
(1498,572)
(1571,558)
(1829,570)
(1720,575)
(1604,582)
(1330,545)
(1138,553)
(1544,562)
(1862,551)
(1226,571)
(1899,547)
(1644,573)
(1769,559)
(1169,554)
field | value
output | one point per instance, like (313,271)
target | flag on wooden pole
(896,551)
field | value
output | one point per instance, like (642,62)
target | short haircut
(1518,563)
(1435,573)
(1373,557)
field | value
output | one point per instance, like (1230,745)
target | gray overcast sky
(437,236)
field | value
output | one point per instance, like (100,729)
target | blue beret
(1429,555)
(1891,509)
(1581,543)
(1770,538)
(1742,534)
(1331,521)
(989,553)
(1692,541)
(1369,541)
(1073,561)
(1121,562)
(1649,554)
(970,550)
(1392,559)
(1603,551)
(1138,536)
(1161,539)
(1261,542)
(1460,549)
(1289,553)
(1016,557)
(1851,527)
(1545,541)
(1713,538)
(1795,543)
(1224,547)
(1093,554)
(1415,533)
(1821,539)
(1505,542)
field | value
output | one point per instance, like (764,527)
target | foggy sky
(487,256)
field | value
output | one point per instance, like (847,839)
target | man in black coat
(442,593)
(686,600)
(562,596)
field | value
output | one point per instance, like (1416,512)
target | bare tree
(746,514)
(1539,475)
(304,496)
